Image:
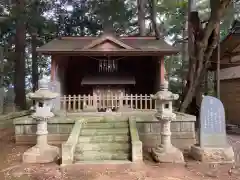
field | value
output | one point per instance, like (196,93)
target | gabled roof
(105,38)
(84,45)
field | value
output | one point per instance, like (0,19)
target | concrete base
(213,155)
(170,155)
(38,154)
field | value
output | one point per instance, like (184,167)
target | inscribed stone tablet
(212,123)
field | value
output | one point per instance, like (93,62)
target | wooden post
(162,71)
(53,68)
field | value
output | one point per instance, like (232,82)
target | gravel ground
(11,167)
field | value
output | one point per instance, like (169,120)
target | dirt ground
(11,167)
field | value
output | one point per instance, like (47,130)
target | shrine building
(107,64)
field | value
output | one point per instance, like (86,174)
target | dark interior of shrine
(138,75)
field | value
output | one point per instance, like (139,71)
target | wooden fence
(133,101)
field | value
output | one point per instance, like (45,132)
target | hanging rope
(108,58)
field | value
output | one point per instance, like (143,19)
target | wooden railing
(133,101)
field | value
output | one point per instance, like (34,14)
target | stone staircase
(101,140)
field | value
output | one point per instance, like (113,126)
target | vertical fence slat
(145,101)
(113,98)
(91,100)
(69,102)
(74,102)
(136,101)
(84,100)
(141,103)
(131,101)
(121,99)
(79,102)
(150,103)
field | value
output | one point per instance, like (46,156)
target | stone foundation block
(212,155)
(170,155)
(137,151)
(37,154)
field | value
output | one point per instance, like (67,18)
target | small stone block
(37,154)
(171,155)
(213,155)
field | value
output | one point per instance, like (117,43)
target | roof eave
(117,52)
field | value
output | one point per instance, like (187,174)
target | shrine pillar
(56,83)
(58,71)
(162,71)
(53,68)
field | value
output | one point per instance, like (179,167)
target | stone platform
(59,128)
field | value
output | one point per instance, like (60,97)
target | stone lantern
(42,152)
(166,152)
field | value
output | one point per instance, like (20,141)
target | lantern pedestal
(42,152)
(45,154)
(170,155)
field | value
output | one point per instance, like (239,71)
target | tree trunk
(1,67)
(184,52)
(206,83)
(20,98)
(202,42)
(141,17)
(34,63)
(153,15)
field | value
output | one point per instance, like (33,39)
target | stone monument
(166,152)
(42,152)
(213,145)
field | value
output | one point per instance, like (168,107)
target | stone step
(97,155)
(104,138)
(103,162)
(105,125)
(96,132)
(103,147)
(113,118)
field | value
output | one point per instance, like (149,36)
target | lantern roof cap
(164,94)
